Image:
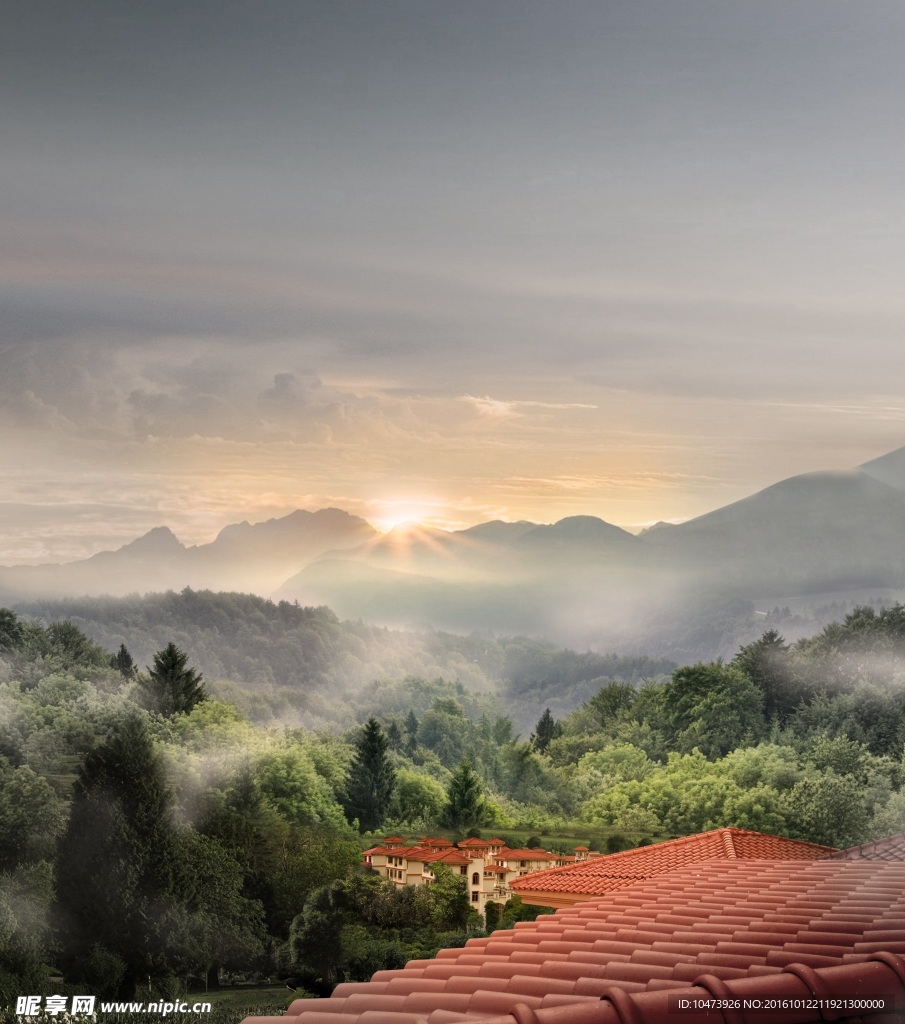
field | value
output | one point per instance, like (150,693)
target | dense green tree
(713,707)
(611,702)
(767,662)
(371,778)
(547,729)
(75,645)
(315,938)
(25,897)
(115,864)
(286,777)
(829,809)
(31,818)
(394,736)
(282,861)
(449,905)
(134,885)
(688,794)
(11,633)
(444,730)
(123,663)
(171,687)
(417,798)
(411,726)
(213,920)
(464,799)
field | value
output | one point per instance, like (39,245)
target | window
(474,897)
(476,879)
(463,871)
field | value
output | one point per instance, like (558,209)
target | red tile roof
(400,851)
(443,856)
(577,882)
(527,855)
(474,843)
(722,928)
(890,848)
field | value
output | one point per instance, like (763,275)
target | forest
(187,780)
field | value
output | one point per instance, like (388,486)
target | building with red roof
(579,882)
(489,865)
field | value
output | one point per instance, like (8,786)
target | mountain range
(833,537)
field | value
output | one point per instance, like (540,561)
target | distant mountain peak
(159,541)
(289,524)
(889,469)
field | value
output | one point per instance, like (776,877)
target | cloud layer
(632,259)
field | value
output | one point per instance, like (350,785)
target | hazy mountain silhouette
(675,587)
(888,469)
(815,532)
(253,557)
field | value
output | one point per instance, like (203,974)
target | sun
(400,516)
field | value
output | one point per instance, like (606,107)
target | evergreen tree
(547,729)
(171,687)
(371,778)
(11,634)
(112,875)
(136,892)
(768,664)
(394,736)
(122,661)
(464,802)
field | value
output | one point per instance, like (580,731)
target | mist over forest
(795,556)
(151,744)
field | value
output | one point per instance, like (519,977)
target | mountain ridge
(578,580)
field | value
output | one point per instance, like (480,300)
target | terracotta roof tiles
(448,856)
(723,928)
(890,848)
(579,881)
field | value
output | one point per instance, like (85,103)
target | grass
(244,997)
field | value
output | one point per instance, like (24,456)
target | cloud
(496,408)
(26,411)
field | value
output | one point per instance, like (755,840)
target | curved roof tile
(753,929)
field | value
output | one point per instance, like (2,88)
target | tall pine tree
(122,661)
(115,858)
(171,687)
(547,729)
(371,778)
(464,802)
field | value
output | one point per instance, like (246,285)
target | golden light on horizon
(402,515)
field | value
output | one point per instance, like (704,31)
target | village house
(488,865)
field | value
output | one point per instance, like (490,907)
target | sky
(440,261)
